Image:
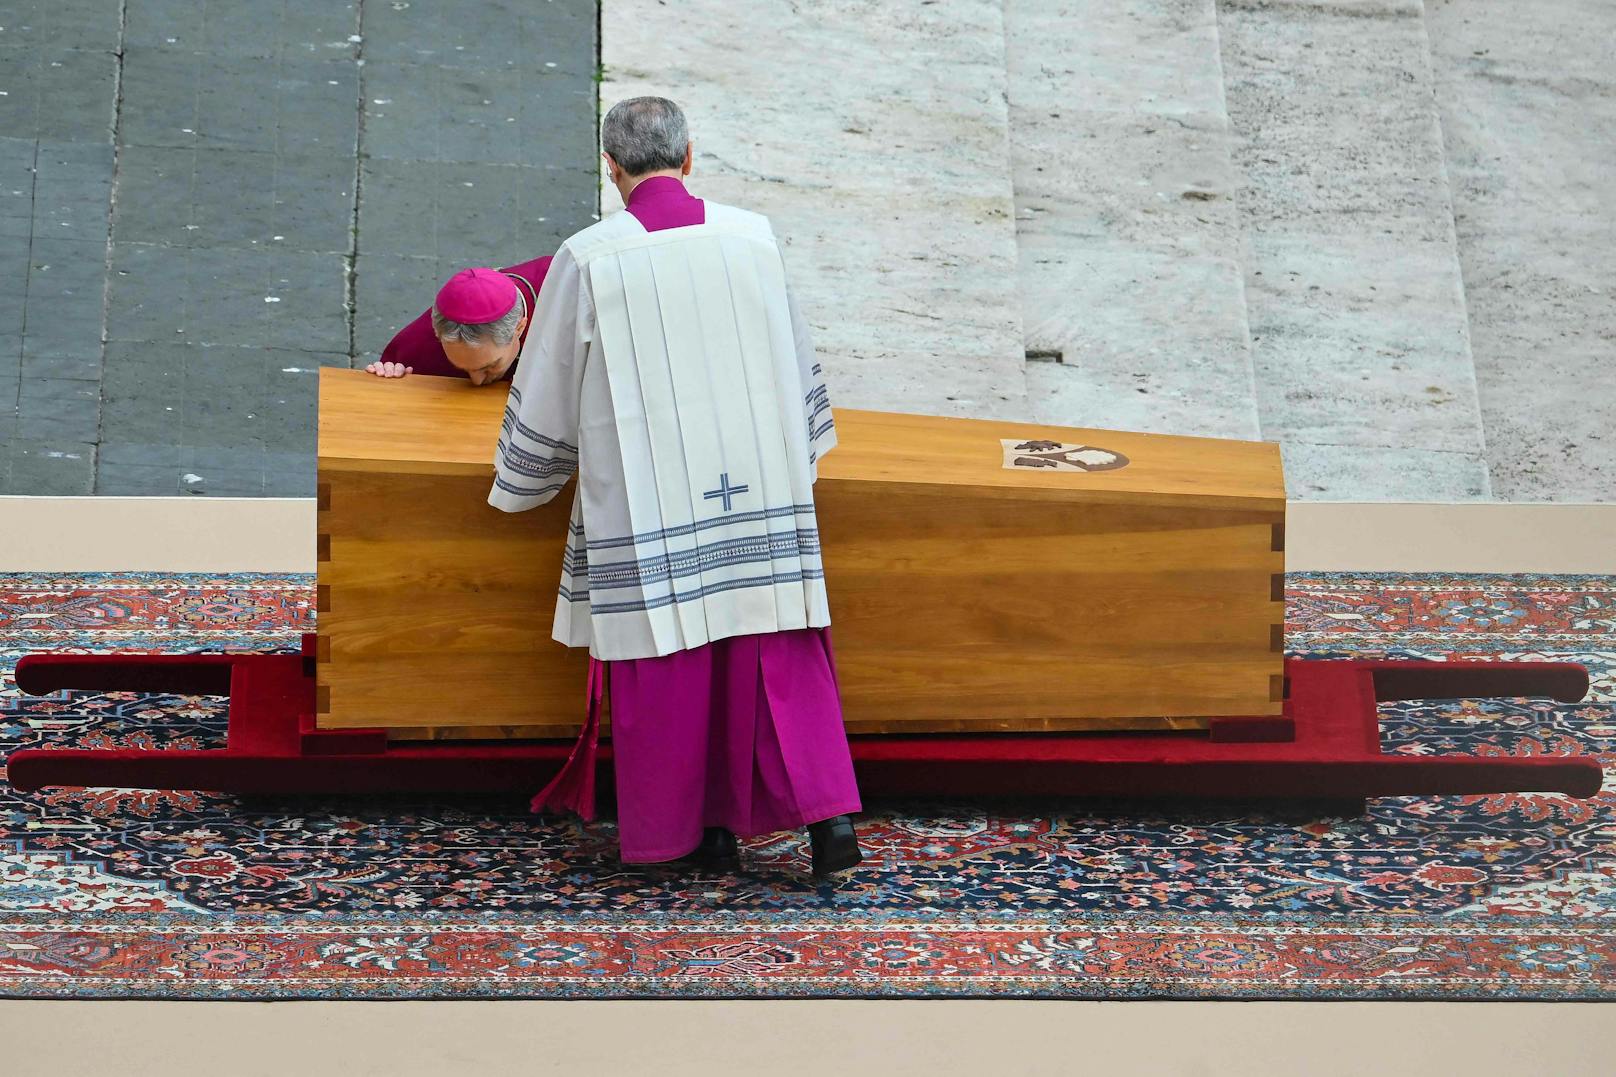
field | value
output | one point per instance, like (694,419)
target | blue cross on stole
(725,491)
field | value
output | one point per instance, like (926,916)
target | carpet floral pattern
(107,893)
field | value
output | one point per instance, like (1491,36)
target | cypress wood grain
(965,596)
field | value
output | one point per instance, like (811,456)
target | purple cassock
(743,733)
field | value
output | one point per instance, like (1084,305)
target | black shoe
(835,845)
(717,847)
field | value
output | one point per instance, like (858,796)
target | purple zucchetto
(477,296)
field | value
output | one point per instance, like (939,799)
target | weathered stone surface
(230,416)
(296,30)
(1364,473)
(1128,234)
(883,151)
(1528,104)
(10,385)
(1148,341)
(61,94)
(472,213)
(61,24)
(522,114)
(484,35)
(48,466)
(1361,340)
(1357,310)
(58,409)
(287,299)
(1126,181)
(185,197)
(242,252)
(208,101)
(66,278)
(72,186)
(883,164)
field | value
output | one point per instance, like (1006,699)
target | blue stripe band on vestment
(682,530)
(802,536)
(512,419)
(522,491)
(710,559)
(710,589)
(526,463)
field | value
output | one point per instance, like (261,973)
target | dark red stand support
(1326,744)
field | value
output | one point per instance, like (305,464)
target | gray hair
(501,330)
(645,134)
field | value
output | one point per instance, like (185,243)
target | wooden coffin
(983,576)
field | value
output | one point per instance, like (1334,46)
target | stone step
(1358,321)
(875,138)
(1131,290)
(1528,113)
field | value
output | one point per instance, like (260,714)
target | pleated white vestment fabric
(674,372)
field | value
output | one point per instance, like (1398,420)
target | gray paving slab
(389,292)
(16,193)
(260,29)
(9,387)
(14,296)
(288,299)
(484,34)
(65,293)
(62,24)
(49,467)
(476,214)
(86,367)
(135,480)
(227,412)
(491,114)
(210,101)
(179,291)
(72,191)
(61,94)
(58,409)
(188,197)
(300,482)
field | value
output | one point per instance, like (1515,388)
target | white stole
(695,518)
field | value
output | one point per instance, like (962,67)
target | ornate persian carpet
(109,893)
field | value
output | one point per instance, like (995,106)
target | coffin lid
(447,426)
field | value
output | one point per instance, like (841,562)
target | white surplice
(673,371)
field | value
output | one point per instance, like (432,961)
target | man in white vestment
(669,366)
